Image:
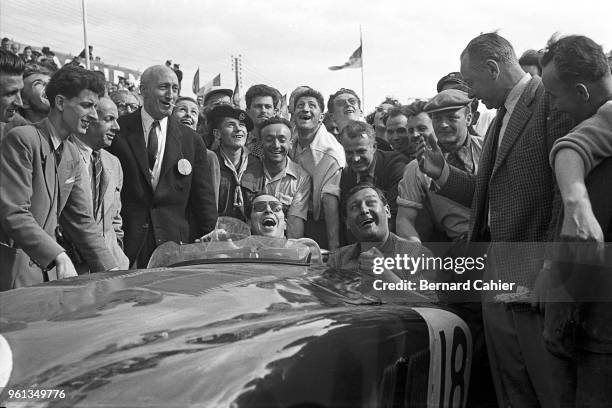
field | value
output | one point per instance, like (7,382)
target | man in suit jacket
(166,170)
(41,188)
(103,179)
(511,200)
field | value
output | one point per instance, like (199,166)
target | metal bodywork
(248,334)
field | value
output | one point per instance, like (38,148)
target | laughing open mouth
(366,222)
(269,222)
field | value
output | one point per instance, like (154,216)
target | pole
(85,35)
(362,87)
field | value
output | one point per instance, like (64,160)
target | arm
(16,190)
(295,227)
(406,217)
(579,222)
(332,220)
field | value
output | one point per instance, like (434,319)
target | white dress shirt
(147,122)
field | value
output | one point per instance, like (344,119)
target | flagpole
(87,64)
(362,87)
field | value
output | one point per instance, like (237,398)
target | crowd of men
(92,182)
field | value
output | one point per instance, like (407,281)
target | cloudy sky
(407,45)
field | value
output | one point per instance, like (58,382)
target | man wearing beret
(242,174)
(165,172)
(450,115)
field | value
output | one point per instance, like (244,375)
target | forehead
(231,121)
(85,95)
(163,76)
(307,99)
(262,100)
(344,97)
(277,129)
(364,194)
(187,104)
(421,118)
(106,107)
(10,82)
(399,120)
(36,77)
(354,142)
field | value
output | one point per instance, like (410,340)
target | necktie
(152,144)
(501,112)
(96,177)
(58,154)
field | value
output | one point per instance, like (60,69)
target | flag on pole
(216,81)
(353,62)
(196,82)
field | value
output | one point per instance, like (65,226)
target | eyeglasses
(261,206)
(129,106)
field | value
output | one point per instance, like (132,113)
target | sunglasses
(261,206)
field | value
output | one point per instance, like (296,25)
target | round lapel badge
(184,167)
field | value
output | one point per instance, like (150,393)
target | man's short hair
(43,67)
(577,58)
(70,80)
(10,63)
(313,93)
(490,46)
(260,90)
(356,129)
(275,120)
(354,190)
(408,111)
(531,57)
(330,101)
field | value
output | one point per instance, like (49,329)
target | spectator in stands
(241,172)
(179,75)
(36,162)
(187,112)
(15,48)
(217,96)
(5,44)
(35,79)
(406,126)
(530,62)
(82,54)
(321,155)
(11,83)
(126,102)
(261,102)
(366,164)
(103,182)
(27,55)
(344,105)
(380,118)
(47,53)
(285,179)
(450,117)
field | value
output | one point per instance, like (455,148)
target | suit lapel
(520,116)
(135,138)
(47,159)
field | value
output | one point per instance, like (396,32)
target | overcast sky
(407,45)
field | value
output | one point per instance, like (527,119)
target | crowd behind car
(509,151)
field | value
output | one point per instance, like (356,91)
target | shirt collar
(516,92)
(147,121)
(56,141)
(83,147)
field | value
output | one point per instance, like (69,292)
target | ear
(388,211)
(468,118)
(492,68)
(583,92)
(59,102)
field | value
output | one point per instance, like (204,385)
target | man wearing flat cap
(450,114)
(242,174)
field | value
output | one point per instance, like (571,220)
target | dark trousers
(524,373)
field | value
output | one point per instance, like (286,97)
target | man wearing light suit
(103,179)
(511,200)
(40,188)
(165,172)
